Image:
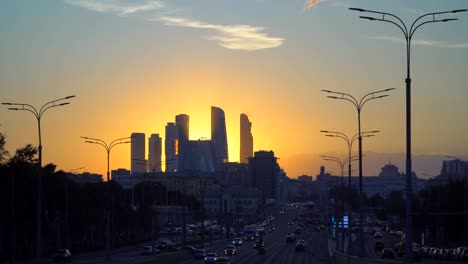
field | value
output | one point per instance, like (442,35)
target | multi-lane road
(277,249)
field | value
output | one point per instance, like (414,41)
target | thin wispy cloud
(120,8)
(422,42)
(311,3)
(239,37)
(236,37)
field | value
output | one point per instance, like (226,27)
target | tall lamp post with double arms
(358,104)
(38,114)
(408,33)
(108,148)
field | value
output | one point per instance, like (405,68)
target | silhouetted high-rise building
(172,147)
(138,161)
(264,173)
(182,123)
(200,157)
(246,139)
(219,136)
(155,151)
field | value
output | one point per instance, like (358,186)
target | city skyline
(275,76)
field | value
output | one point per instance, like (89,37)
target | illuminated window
(176,147)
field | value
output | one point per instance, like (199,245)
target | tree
(3,152)
(25,155)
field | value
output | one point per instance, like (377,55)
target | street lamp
(38,115)
(408,34)
(359,104)
(342,164)
(349,142)
(108,148)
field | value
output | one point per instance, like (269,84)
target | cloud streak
(238,37)
(422,42)
(235,37)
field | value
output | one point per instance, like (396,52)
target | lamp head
(6,103)
(70,96)
(333,97)
(448,19)
(13,108)
(459,10)
(368,18)
(324,131)
(357,9)
(327,91)
(63,104)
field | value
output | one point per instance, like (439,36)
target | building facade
(172,147)
(246,139)
(154,153)
(138,161)
(219,135)
(264,173)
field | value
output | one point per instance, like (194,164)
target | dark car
(230,250)
(271,229)
(387,253)
(62,255)
(300,245)
(290,238)
(189,249)
(258,244)
(211,258)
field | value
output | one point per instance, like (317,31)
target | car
(281,212)
(378,245)
(377,235)
(165,245)
(230,250)
(222,260)
(211,258)
(387,253)
(199,253)
(317,228)
(189,249)
(298,231)
(290,238)
(271,229)
(237,241)
(61,255)
(149,250)
(258,244)
(291,223)
(300,245)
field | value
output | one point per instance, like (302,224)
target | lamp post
(342,164)
(465,172)
(358,105)
(408,34)
(38,114)
(108,148)
(349,143)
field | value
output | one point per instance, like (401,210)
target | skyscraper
(246,139)
(172,147)
(218,135)
(138,161)
(182,124)
(155,151)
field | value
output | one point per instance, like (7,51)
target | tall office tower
(138,161)
(246,139)
(218,135)
(172,147)
(182,123)
(155,151)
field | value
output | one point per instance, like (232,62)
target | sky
(135,65)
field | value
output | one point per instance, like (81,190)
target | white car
(237,241)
